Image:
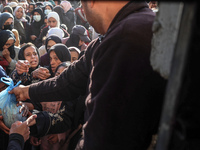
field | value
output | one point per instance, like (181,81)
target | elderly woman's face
(19,13)
(31,55)
(54,61)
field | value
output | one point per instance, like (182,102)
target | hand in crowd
(52,139)
(23,127)
(22,66)
(35,141)
(24,108)
(3,126)
(6,54)
(41,73)
(21,92)
(33,37)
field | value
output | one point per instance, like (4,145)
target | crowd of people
(86,79)
(48,36)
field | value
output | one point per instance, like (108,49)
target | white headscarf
(55,16)
(13,4)
(23,16)
(56,31)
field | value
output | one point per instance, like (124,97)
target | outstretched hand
(41,73)
(31,120)
(23,108)
(21,92)
(22,128)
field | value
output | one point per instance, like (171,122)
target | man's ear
(92,3)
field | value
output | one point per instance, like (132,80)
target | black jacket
(16,142)
(125,96)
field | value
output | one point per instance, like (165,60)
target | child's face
(59,71)
(52,22)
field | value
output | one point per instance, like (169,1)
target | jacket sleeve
(70,84)
(49,123)
(16,142)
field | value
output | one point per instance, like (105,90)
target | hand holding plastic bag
(10,111)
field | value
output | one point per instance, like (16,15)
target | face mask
(37,18)
(8,27)
(47,11)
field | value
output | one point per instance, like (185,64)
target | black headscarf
(4,36)
(3,17)
(55,38)
(35,26)
(61,51)
(21,54)
(22,49)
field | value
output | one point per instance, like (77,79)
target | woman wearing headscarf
(31,7)
(8,9)
(21,24)
(28,53)
(53,21)
(63,18)
(38,20)
(70,14)
(58,53)
(55,31)
(8,53)
(48,8)
(50,41)
(7,22)
(13,5)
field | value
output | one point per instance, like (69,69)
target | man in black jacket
(125,95)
